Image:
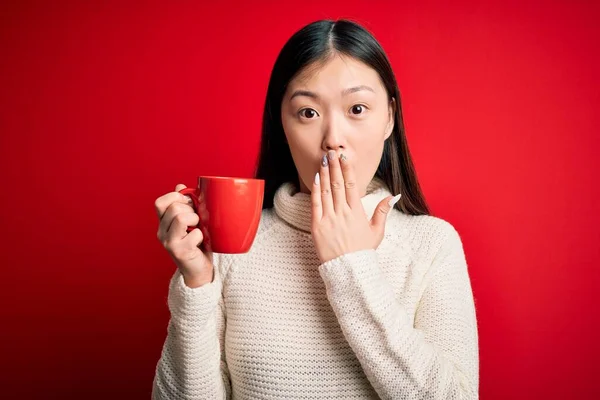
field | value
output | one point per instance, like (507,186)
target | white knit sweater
(393,323)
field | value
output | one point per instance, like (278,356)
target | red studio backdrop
(104,106)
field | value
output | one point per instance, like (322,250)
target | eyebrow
(344,92)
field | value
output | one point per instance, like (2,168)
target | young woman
(351,290)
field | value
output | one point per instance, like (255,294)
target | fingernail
(331,155)
(317,179)
(343,157)
(394,200)
(324,161)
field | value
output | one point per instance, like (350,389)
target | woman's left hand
(339,222)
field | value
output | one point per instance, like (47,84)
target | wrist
(195,281)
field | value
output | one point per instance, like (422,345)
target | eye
(358,109)
(308,113)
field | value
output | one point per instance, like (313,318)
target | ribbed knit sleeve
(192,364)
(436,357)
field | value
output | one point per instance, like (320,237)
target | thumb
(382,210)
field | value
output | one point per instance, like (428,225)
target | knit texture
(397,322)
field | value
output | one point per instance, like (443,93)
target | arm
(192,364)
(437,358)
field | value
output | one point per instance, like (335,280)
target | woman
(348,292)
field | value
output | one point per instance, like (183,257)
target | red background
(105,106)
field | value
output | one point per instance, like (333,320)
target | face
(338,105)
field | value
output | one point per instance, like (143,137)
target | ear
(391,112)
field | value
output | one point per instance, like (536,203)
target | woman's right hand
(175,213)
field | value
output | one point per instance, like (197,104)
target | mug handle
(193,194)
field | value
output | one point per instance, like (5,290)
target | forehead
(336,71)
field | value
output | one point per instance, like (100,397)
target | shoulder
(430,243)
(426,235)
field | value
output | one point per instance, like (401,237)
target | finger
(163,202)
(352,193)
(315,197)
(326,199)
(180,223)
(196,239)
(193,239)
(338,193)
(173,210)
(381,212)
(179,187)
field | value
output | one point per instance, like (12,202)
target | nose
(333,137)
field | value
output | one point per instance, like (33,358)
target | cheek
(292,129)
(368,142)
(300,137)
(299,141)
(371,129)
(369,149)
(303,148)
(368,158)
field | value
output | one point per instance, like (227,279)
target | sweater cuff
(196,304)
(346,273)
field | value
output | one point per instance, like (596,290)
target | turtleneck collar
(294,207)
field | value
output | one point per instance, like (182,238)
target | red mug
(229,211)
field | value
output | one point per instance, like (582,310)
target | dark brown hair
(316,42)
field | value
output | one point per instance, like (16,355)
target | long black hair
(313,43)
